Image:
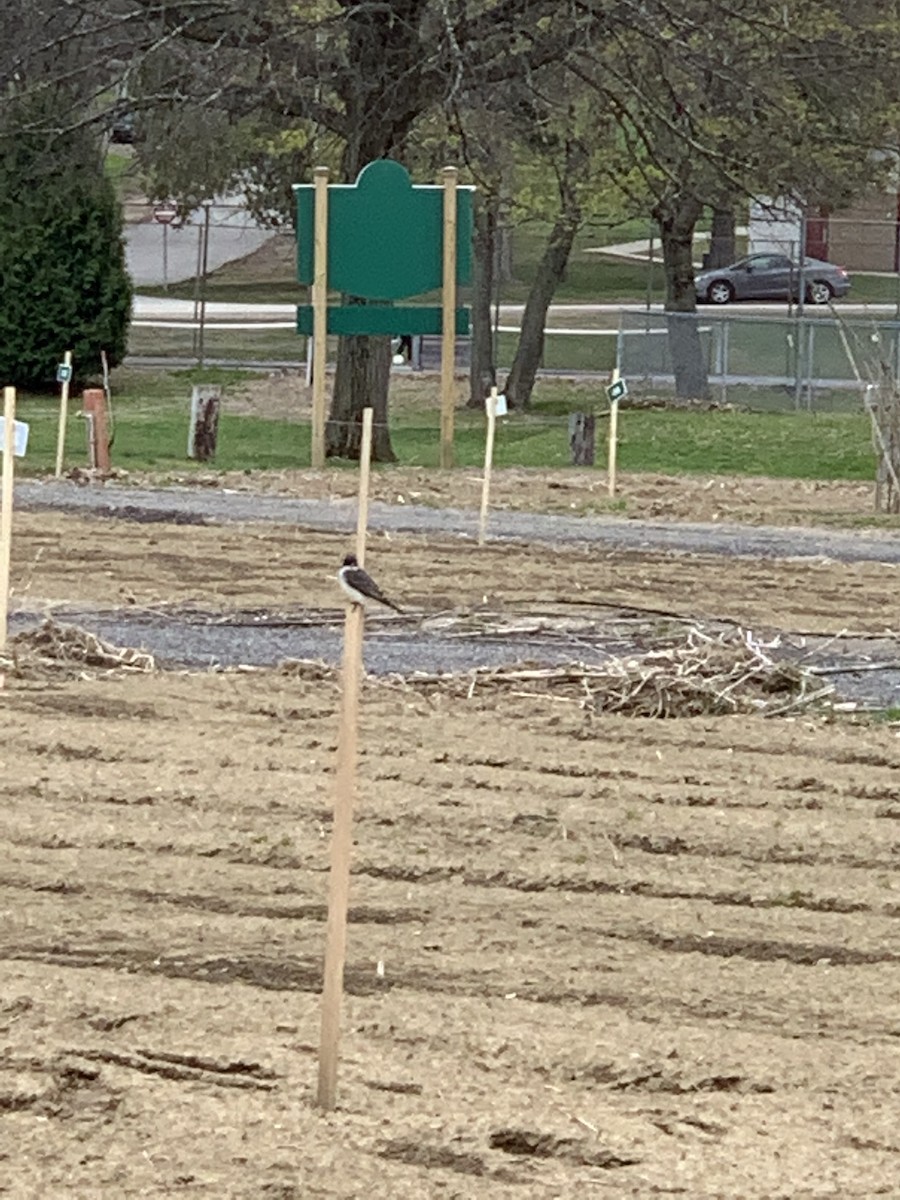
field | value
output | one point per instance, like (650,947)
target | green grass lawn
(151,422)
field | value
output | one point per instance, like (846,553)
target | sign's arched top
(385,234)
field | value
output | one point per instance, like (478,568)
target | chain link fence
(809,362)
(796,361)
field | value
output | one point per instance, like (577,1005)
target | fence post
(810,363)
(798,341)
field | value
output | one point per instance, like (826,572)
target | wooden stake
(320,316)
(448,326)
(613,438)
(63,414)
(6,506)
(490,405)
(344,797)
(365,461)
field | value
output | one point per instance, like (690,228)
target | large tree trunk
(364,365)
(380,47)
(483,372)
(677,219)
(530,350)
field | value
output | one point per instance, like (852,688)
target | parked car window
(769,262)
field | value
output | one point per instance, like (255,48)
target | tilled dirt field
(619,957)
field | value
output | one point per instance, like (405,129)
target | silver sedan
(772,277)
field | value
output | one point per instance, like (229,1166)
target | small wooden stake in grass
(6,505)
(448,326)
(613,438)
(93,403)
(320,316)
(63,411)
(490,405)
(344,797)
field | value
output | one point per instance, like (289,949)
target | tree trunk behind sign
(383,46)
(677,219)
(363,369)
(483,371)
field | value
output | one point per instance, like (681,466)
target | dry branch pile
(53,647)
(700,675)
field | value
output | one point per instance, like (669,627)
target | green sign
(385,234)
(63,373)
(617,390)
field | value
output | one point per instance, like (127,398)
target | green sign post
(380,240)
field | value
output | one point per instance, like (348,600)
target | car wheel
(819,292)
(720,291)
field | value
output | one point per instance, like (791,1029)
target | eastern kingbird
(359,585)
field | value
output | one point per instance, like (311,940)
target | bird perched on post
(359,586)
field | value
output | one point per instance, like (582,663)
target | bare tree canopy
(712,101)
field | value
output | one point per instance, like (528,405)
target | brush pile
(700,674)
(67,649)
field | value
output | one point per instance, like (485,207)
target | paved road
(149,248)
(336,516)
(162,308)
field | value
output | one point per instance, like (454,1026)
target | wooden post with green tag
(616,391)
(64,378)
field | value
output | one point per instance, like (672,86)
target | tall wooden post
(612,460)
(344,798)
(6,504)
(320,316)
(64,412)
(448,327)
(491,407)
(362,511)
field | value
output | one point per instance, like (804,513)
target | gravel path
(181,640)
(191,505)
(202,641)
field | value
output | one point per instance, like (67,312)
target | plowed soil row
(586,954)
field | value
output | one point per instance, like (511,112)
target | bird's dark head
(350,560)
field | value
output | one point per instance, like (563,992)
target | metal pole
(203,271)
(799,342)
(801,261)
(650,270)
(320,317)
(197,288)
(165,229)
